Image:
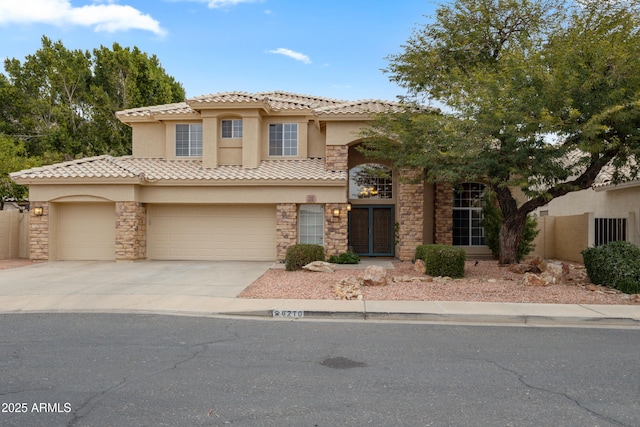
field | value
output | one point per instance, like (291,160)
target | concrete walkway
(210,289)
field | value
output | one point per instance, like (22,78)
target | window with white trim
(189,140)
(467,215)
(232,128)
(311,224)
(283,139)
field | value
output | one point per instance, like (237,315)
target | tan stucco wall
(148,140)
(83,193)
(563,237)
(316,141)
(244,195)
(343,133)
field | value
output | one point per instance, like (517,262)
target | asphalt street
(138,370)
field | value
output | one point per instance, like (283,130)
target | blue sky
(332,48)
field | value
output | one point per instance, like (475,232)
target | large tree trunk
(514,220)
(510,237)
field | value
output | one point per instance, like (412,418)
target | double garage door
(86,231)
(208,232)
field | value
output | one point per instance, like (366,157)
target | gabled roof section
(276,101)
(91,167)
(139,170)
(166,110)
(367,106)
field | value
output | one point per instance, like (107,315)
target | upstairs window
(189,140)
(283,139)
(232,128)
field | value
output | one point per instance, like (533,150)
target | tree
(510,75)
(61,103)
(13,157)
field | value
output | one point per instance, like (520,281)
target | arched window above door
(370,181)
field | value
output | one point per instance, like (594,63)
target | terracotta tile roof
(179,108)
(369,106)
(90,167)
(179,170)
(277,101)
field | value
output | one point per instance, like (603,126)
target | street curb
(480,319)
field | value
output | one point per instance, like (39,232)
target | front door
(371,230)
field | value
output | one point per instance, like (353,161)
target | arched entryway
(371,220)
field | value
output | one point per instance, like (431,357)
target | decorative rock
(319,266)
(530,279)
(537,262)
(374,275)
(419,266)
(556,270)
(442,279)
(348,289)
(523,268)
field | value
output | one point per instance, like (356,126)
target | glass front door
(371,230)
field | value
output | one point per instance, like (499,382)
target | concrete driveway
(91,284)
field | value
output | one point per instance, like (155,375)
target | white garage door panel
(212,232)
(86,231)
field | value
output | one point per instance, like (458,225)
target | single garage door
(207,232)
(86,231)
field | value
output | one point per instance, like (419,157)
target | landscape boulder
(530,279)
(374,275)
(319,266)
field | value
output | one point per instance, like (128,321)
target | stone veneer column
(39,232)
(337,157)
(444,214)
(286,228)
(410,200)
(336,234)
(131,231)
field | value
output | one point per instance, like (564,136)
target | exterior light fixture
(336,212)
(38,211)
(348,207)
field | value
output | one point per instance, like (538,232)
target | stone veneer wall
(410,200)
(444,214)
(131,231)
(39,232)
(337,157)
(336,233)
(286,228)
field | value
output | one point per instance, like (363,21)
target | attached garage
(212,232)
(85,231)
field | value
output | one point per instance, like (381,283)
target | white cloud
(102,17)
(219,4)
(215,4)
(291,54)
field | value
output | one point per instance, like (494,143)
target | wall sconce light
(336,212)
(348,207)
(37,211)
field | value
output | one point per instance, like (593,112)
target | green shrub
(302,254)
(492,221)
(442,260)
(615,265)
(348,257)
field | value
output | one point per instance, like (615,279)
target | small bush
(302,254)
(615,265)
(348,257)
(442,260)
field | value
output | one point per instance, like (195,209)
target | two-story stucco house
(242,176)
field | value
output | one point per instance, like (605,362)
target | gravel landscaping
(484,281)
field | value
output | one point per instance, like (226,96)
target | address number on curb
(288,313)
